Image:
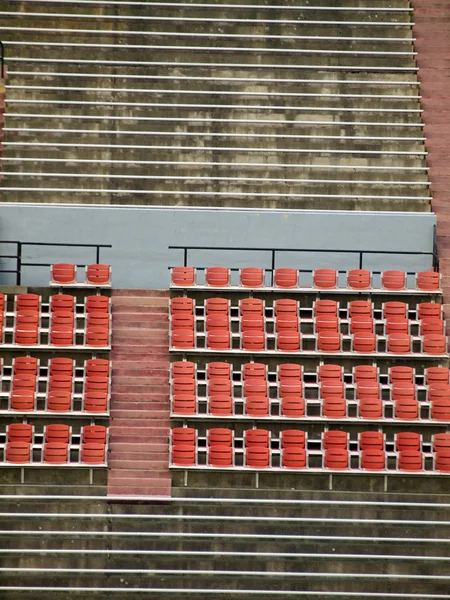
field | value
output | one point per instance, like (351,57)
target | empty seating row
(42,369)
(56,401)
(65,274)
(320,279)
(286,372)
(57,303)
(56,432)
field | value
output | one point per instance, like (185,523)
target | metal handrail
(2,61)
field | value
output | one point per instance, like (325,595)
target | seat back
(55,452)
(183,276)
(252,277)
(217,276)
(286,278)
(98,274)
(63,273)
(57,432)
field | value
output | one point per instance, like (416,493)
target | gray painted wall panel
(140,237)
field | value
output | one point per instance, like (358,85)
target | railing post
(273,267)
(435,251)
(19,264)
(97,256)
(361,259)
(2,61)
(185,257)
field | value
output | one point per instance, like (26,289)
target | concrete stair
(140,423)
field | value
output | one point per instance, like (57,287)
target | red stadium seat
(218,369)
(93,453)
(183,368)
(285,306)
(28,302)
(253,341)
(220,405)
(217,276)
(60,381)
(62,303)
(365,373)
(429,310)
(292,407)
(27,318)
(399,343)
(22,401)
(26,335)
(332,388)
(362,325)
(373,459)
(63,366)
(290,388)
(326,323)
(216,323)
(97,304)
(365,343)
(396,325)
(23,381)
(293,457)
(59,401)
(98,274)
(393,280)
(334,439)
(285,322)
(253,323)
(62,335)
(329,341)
(184,435)
(183,321)
(64,319)
(217,306)
(329,372)
(257,437)
(257,457)
(406,409)
(184,385)
(97,366)
(184,455)
(254,371)
(219,436)
(336,459)
(371,440)
(371,409)
(289,371)
(94,434)
(432,326)
(220,456)
(289,341)
(184,404)
(249,306)
(334,408)
(442,461)
(403,391)
(55,452)
(325,279)
(218,340)
(434,344)
(438,391)
(183,338)
(360,309)
(95,402)
(255,387)
(359,279)
(96,319)
(410,460)
(428,281)
(286,278)
(257,406)
(394,310)
(293,438)
(18,452)
(183,276)
(25,365)
(408,440)
(57,432)
(20,432)
(368,390)
(401,374)
(220,385)
(97,336)
(63,273)
(182,305)
(441,441)
(440,410)
(325,308)
(252,277)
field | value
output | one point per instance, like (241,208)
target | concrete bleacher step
(140,421)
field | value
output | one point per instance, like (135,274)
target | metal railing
(2,61)
(20,263)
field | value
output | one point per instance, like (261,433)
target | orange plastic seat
(98,274)
(28,302)
(182,305)
(25,365)
(289,341)
(410,460)
(252,277)
(96,383)
(217,306)
(329,372)
(22,401)
(249,306)
(293,437)
(435,375)
(441,441)
(183,338)
(399,343)
(59,401)
(220,385)
(220,436)
(26,335)
(217,276)
(255,387)
(332,388)
(290,388)
(371,440)
(368,390)
(365,373)
(94,434)
(253,341)
(184,385)
(62,335)
(432,326)
(292,407)
(183,276)
(253,323)
(97,336)
(396,325)
(359,309)
(61,366)
(394,310)
(95,402)
(24,381)
(62,303)
(371,409)
(183,321)
(434,344)
(429,310)
(257,437)
(216,323)
(293,458)
(2,302)
(20,432)
(325,307)
(93,453)
(254,371)
(403,391)
(326,323)
(334,408)
(440,410)
(184,435)
(220,456)
(365,343)
(183,368)
(438,391)
(408,440)
(97,319)
(401,374)
(97,366)
(442,461)
(286,322)
(406,409)
(362,325)
(289,371)
(428,280)
(218,340)
(27,317)
(373,459)
(285,306)
(184,404)
(359,279)
(393,280)
(184,455)
(329,341)
(63,273)
(63,319)
(218,369)
(55,452)
(257,406)
(60,381)
(220,405)
(335,439)
(286,278)
(97,304)
(336,459)
(257,457)
(18,452)
(325,279)
(57,432)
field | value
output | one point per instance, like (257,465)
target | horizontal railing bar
(212,193)
(213,178)
(168,64)
(209,34)
(24,44)
(214,106)
(215,79)
(118,90)
(219,164)
(216,134)
(324,250)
